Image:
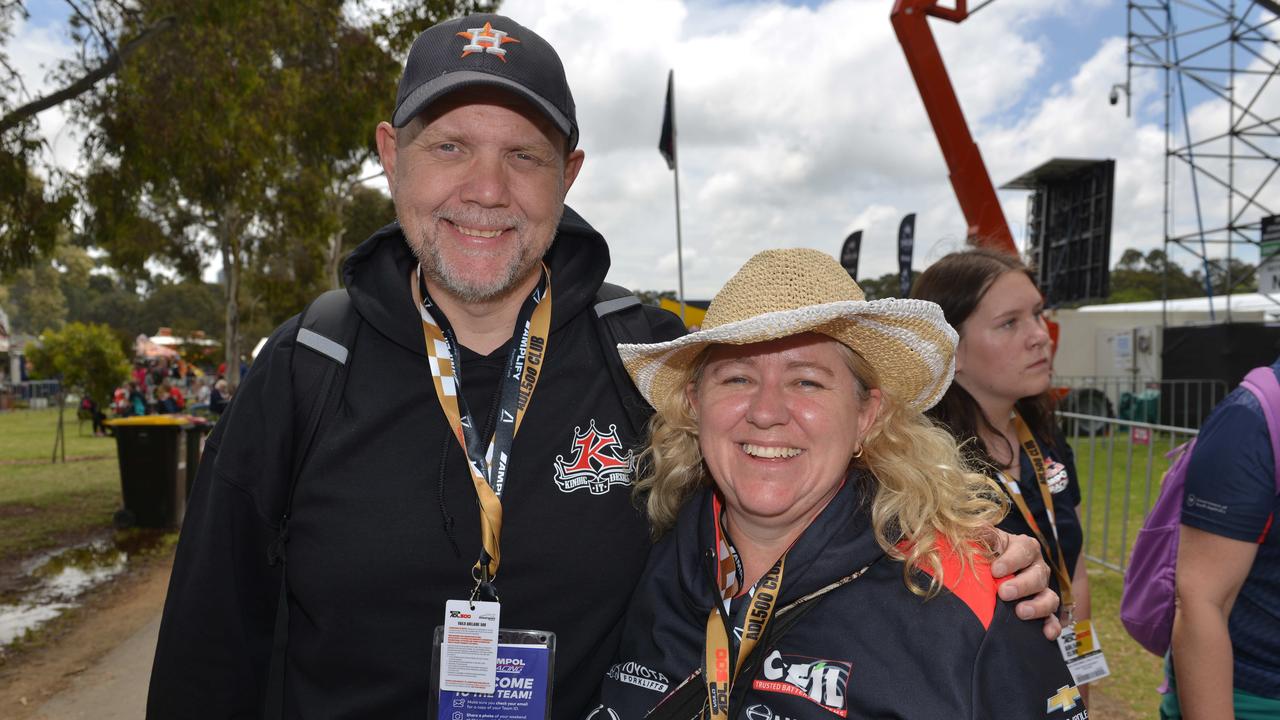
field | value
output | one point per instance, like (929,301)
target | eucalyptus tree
(37,200)
(234,138)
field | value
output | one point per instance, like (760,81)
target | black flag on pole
(849,253)
(906,245)
(667,143)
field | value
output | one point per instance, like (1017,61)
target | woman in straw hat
(826,550)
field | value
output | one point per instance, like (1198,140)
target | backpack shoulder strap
(612,298)
(1262,383)
(622,320)
(326,334)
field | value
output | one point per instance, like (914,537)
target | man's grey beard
(494,287)
(502,283)
(435,268)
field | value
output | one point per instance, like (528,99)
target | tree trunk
(333,263)
(229,241)
(60,438)
(334,260)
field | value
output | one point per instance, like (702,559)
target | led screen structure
(1069,227)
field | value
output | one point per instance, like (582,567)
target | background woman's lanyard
(1032,449)
(721,662)
(488,462)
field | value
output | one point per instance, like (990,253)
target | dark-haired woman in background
(1000,411)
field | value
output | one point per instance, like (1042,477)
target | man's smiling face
(479,183)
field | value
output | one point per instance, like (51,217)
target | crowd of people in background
(164,387)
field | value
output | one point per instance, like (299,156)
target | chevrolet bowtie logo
(1065,699)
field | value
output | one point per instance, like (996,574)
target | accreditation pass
(1082,649)
(469,648)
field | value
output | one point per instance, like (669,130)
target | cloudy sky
(799,122)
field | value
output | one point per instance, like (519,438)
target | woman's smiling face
(778,424)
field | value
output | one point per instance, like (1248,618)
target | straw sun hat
(780,293)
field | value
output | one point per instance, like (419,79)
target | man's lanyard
(488,462)
(721,662)
(1032,448)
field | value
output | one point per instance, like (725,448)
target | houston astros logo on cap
(486,39)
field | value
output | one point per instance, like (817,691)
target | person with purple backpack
(1225,658)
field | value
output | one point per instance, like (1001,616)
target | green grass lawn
(44,504)
(1113,511)
(28,435)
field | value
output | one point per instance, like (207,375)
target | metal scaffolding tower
(1218,62)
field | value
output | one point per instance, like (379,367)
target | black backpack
(328,328)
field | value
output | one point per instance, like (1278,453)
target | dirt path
(95,663)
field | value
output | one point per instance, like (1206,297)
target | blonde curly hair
(924,489)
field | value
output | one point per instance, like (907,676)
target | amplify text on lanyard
(488,461)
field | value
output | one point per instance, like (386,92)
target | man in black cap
(475,446)
(477,373)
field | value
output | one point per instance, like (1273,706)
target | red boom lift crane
(968,174)
(969,178)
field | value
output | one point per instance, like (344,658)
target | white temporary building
(1243,307)
(1123,340)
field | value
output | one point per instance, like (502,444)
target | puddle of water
(60,578)
(16,620)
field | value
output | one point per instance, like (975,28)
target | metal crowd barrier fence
(32,394)
(1179,403)
(1119,468)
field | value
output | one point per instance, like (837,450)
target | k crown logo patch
(598,462)
(824,682)
(486,40)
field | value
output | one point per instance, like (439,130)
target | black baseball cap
(485,49)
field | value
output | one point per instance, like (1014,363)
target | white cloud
(799,124)
(34,52)
(796,125)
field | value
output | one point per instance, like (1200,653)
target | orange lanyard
(720,667)
(488,461)
(1032,448)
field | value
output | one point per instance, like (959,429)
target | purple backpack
(1146,608)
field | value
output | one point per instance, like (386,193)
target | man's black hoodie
(384,525)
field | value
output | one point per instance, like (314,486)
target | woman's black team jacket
(383,499)
(868,649)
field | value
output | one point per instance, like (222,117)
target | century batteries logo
(824,682)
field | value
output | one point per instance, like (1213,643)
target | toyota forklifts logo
(597,463)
